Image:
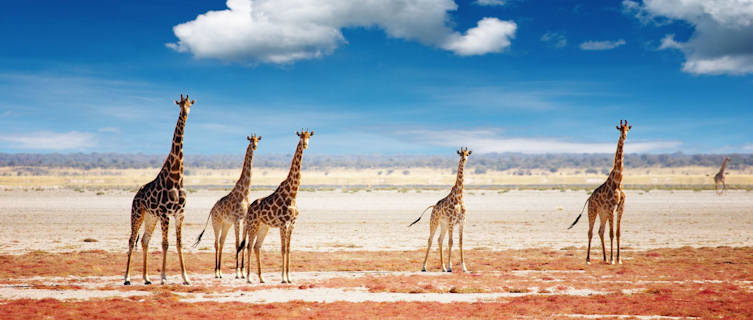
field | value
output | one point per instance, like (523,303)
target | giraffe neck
(615,176)
(457,189)
(724,166)
(173,167)
(293,181)
(244,182)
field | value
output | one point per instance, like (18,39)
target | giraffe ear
(248,138)
(618,127)
(469,152)
(176,102)
(259,137)
(630,127)
(312,133)
(193,101)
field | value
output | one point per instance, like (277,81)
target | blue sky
(389,76)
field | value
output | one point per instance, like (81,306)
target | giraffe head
(253,141)
(305,135)
(624,128)
(185,104)
(464,153)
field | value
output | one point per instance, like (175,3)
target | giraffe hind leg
(591,221)
(442,233)
(165,226)
(432,229)
(150,222)
(137,217)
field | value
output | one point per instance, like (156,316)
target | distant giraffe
(278,210)
(448,212)
(720,177)
(607,199)
(159,199)
(230,211)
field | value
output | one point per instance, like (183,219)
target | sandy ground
(60,220)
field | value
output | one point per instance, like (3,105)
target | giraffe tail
(419,218)
(198,239)
(578,218)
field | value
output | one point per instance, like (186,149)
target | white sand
(334,220)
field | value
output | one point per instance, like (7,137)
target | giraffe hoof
(186,283)
(248,281)
(449,270)
(147,282)
(423,269)
(127,283)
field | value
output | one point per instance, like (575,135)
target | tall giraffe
(230,211)
(277,210)
(159,199)
(607,199)
(448,212)
(720,177)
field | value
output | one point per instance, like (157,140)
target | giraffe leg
(137,217)
(238,269)
(724,186)
(150,222)
(164,225)
(460,238)
(179,246)
(432,229)
(620,210)
(283,249)
(217,226)
(716,187)
(442,233)
(260,235)
(287,250)
(611,239)
(602,224)
(449,247)
(591,221)
(223,236)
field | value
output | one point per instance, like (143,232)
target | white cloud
(490,3)
(284,31)
(491,35)
(488,140)
(601,45)
(45,140)
(722,42)
(556,39)
(109,130)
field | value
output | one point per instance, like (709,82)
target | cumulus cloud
(489,140)
(46,140)
(490,3)
(284,31)
(601,45)
(722,42)
(555,39)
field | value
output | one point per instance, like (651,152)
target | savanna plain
(686,251)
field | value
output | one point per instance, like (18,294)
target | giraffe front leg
(287,250)
(449,247)
(620,210)
(238,251)
(283,250)
(179,246)
(460,238)
(611,239)
(165,225)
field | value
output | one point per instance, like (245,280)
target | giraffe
(230,211)
(719,177)
(278,210)
(607,199)
(448,212)
(159,199)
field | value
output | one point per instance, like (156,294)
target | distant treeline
(480,162)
